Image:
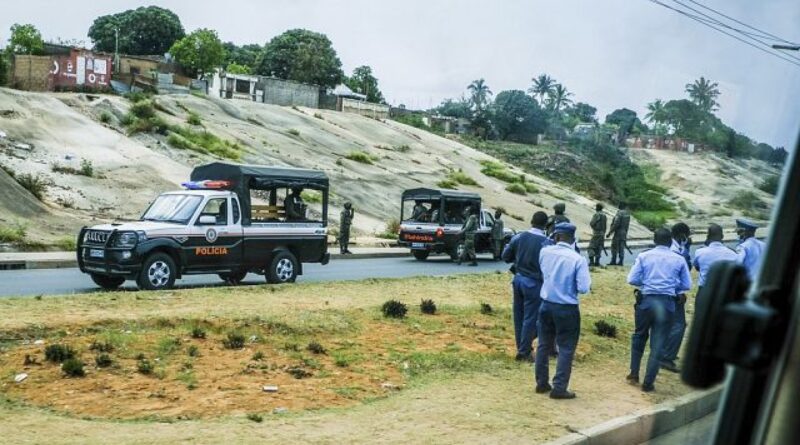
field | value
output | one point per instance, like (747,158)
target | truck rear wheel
(421,255)
(107,282)
(282,269)
(233,278)
(158,272)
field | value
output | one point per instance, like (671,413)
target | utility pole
(116,50)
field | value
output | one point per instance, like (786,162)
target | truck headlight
(126,239)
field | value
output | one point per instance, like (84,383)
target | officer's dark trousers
(560,323)
(653,317)
(676,331)
(344,238)
(526,309)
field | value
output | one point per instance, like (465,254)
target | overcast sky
(609,53)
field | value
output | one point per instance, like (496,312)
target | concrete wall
(130,65)
(375,111)
(288,93)
(31,73)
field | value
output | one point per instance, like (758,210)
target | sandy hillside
(62,129)
(702,185)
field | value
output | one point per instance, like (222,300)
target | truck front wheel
(107,282)
(158,272)
(420,255)
(282,269)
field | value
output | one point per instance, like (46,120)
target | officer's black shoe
(524,358)
(562,395)
(541,389)
(670,366)
(648,388)
(632,379)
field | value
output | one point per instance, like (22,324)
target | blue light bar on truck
(206,185)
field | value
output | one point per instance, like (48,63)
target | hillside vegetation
(140,146)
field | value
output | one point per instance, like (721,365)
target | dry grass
(458,382)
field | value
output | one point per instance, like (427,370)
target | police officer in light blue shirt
(681,244)
(750,249)
(565,274)
(661,276)
(714,252)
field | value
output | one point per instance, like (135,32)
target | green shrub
(127,120)
(67,243)
(103,360)
(293,132)
(193,119)
(15,234)
(499,171)
(747,200)
(517,188)
(143,366)
(458,176)
(311,196)
(530,188)
(198,332)
(105,117)
(101,346)
(234,341)
(193,351)
(447,184)
(150,125)
(36,185)
(258,356)
(394,309)
(402,148)
(427,307)
(257,418)
(143,109)
(73,368)
(651,220)
(137,96)
(58,353)
(87,169)
(486,309)
(362,157)
(771,184)
(392,229)
(299,372)
(316,348)
(203,142)
(605,329)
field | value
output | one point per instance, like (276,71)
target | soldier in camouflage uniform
(468,230)
(619,227)
(498,236)
(596,245)
(557,217)
(345,220)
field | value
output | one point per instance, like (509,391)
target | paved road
(71,281)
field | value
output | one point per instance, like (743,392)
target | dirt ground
(447,378)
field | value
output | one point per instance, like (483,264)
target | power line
(765,33)
(737,30)
(711,23)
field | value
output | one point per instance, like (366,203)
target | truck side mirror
(206,220)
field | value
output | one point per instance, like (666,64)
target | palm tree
(559,98)
(656,114)
(480,93)
(704,94)
(542,86)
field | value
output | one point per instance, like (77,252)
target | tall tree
(626,121)
(517,116)
(245,55)
(200,52)
(362,81)
(656,115)
(25,39)
(303,56)
(145,30)
(559,98)
(583,113)
(542,87)
(461,108)
(704,94)
(479,93)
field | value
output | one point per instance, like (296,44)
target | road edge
(647,424)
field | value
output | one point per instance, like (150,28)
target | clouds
(610,53)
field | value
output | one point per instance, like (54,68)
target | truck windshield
(173,208)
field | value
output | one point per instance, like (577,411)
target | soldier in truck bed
(556,218)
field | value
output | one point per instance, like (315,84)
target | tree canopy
(517,116)
(242,56)
(145,30)
(704,94)
(25,39)
(461,108)
(363,82)
(626,120)
(199,53)
(302,56)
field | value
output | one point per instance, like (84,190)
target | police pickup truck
(213,227)
(431,221)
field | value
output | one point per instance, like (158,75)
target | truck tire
(233,278)
(282,269)
(421,255)
(158,272)
(107,282)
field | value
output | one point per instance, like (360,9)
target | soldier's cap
(348,203)
(565,227)
(560,207)
(746,224)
